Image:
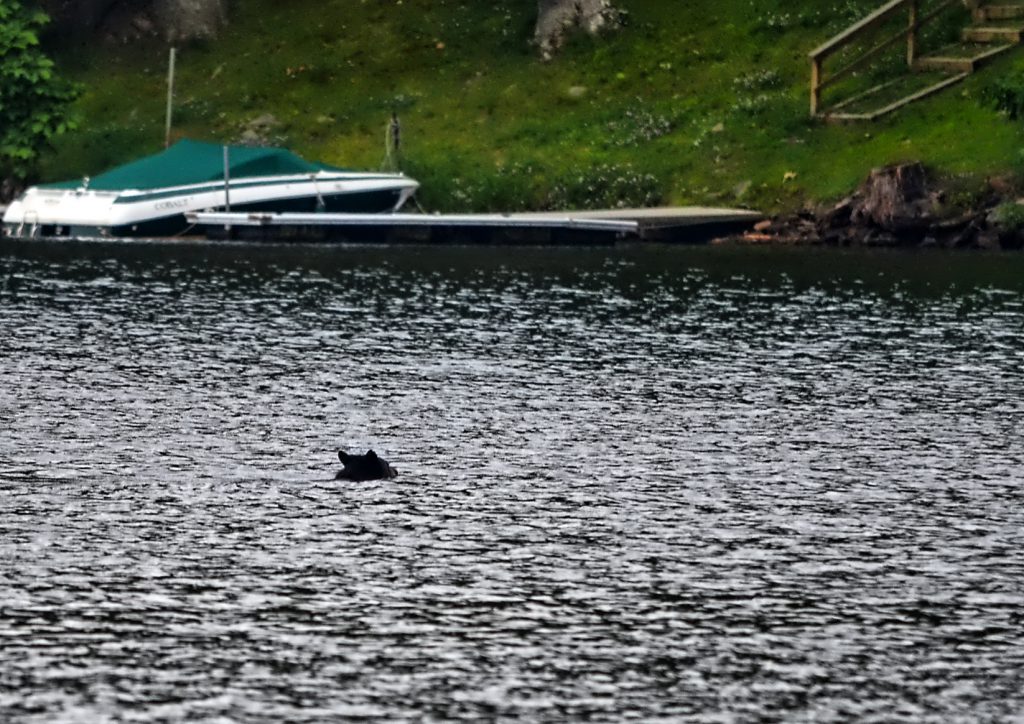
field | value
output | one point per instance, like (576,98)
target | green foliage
(605,186)
(1009,216)
(33,100)
(703,102)
(1006,94)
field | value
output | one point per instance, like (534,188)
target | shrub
(33,100)
(1007,94)
(1009,216)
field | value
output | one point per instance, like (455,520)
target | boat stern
(13,215)
(58,212)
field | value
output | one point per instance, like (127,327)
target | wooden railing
(915,21)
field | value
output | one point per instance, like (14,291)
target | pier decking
(675,224)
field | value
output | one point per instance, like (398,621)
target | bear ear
(370,454)
(343,456)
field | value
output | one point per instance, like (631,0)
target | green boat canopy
(193,162)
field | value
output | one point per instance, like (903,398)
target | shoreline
(898,207)
(901,207)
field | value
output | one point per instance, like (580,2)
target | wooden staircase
(992,28)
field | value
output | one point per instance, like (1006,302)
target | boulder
(259,131)
(183,20)
(555,18)
(129,20)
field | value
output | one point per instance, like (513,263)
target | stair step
(1003,11)
(840,116)
(888,91)
(993,33)
(961,58)
(998,27)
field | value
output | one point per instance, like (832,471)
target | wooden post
(912,34)
(815,85)
(170,97)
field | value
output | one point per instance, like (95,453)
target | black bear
(364,467)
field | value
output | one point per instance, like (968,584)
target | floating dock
(674,225)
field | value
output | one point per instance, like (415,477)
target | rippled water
(653,484)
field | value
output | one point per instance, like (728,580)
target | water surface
(644,483)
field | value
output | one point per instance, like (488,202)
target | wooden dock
(673,225)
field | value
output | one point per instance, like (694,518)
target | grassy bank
(703,102)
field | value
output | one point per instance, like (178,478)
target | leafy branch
(34,100)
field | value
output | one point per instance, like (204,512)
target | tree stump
(895,198)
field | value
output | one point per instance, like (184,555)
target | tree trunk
(555,18)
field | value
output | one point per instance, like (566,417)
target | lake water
(644,483)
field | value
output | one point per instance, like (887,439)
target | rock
(989,239)
(183,20)
(1003,185)
(266,122)
(832,238)
(838,216)
(143,25)
(259,131)
(555,18)
(877,237)
(128,20)
(251,138)
(965,237)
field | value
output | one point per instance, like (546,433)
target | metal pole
(170,97)
(227,180)
(227,187)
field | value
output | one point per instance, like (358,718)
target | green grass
(703,102)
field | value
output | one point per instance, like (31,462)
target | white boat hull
(161,212)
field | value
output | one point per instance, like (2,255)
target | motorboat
(151,196)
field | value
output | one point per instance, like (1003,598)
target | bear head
(364,467)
